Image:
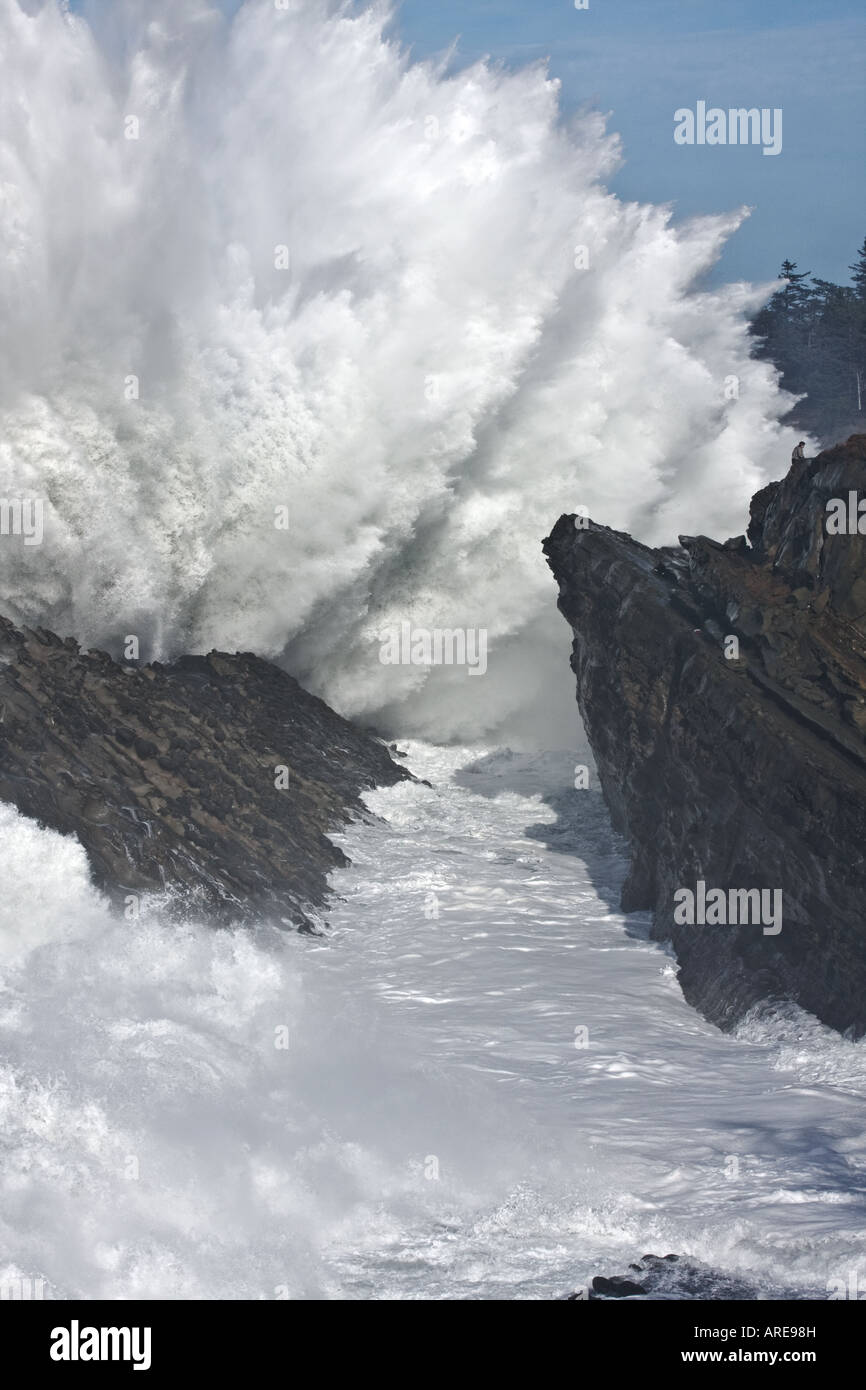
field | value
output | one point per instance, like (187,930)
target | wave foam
(427,386)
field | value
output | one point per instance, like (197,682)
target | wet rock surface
(217,777)
(673,1277)
(744,771)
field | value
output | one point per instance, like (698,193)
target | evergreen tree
(814,332)
(858,272)
(796,294)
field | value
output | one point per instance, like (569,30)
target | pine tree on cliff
(858,272)
(786,326)
(814,332)
(796,295)
(787,309)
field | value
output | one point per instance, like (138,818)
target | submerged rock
(674,1277)
(217,777)
(723,690)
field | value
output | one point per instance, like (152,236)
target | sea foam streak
(431,1129)
(347,284)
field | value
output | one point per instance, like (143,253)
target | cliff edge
(723,690)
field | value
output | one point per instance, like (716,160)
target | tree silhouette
(814,332)
(858,272)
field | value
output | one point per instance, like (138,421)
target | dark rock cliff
(169,775)
(743,769)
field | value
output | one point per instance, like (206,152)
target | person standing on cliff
(799,454)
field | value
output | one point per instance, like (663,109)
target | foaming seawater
(345,335)
(47,893)
(802,1044)
(484,1082)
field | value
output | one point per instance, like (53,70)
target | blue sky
(642,59)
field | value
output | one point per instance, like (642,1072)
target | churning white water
(431,1129)
(269,262)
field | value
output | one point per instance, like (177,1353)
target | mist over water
(345,284)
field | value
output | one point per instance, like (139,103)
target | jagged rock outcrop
(168,774)
(740,771)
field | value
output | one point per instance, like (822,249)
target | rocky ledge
(217,777)
(723,690)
